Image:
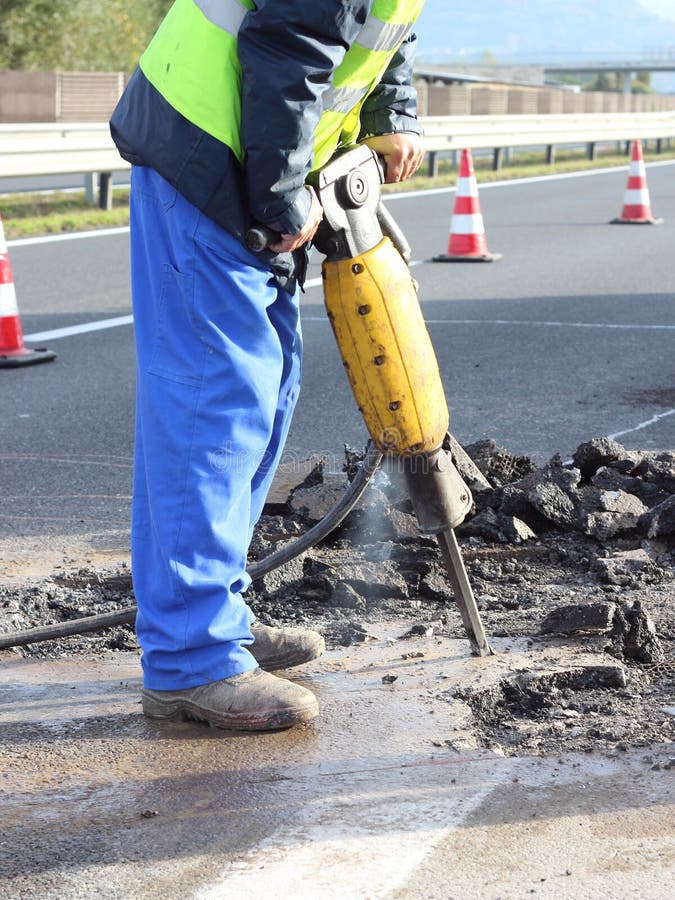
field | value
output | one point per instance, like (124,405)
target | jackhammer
(372,304)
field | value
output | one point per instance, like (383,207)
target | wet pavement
(387,795)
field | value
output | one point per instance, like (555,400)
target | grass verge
(28,215)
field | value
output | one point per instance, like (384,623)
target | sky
(665,8)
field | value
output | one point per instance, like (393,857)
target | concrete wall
(593,102)
(521,102)
(497,99)
(449,100)
(59,96)
(91,96)
(27,96)
(487,101)
(572,102)
(87,96)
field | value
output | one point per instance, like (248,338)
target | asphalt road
(567,337)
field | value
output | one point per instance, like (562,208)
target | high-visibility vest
(192,61)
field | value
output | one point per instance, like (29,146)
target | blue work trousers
(218,373)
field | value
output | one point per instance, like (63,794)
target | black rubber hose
(311,537)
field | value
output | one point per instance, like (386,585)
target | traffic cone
(13,351)
(467,242)
(636,206)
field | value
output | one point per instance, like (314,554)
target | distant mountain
(450,29)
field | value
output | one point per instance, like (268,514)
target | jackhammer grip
(259,237)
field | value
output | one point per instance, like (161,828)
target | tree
(604,81)
(642,83)
(76,34)
(613,82)
(487,58)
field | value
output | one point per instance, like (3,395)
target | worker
(232,105)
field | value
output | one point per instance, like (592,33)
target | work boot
(282,648)
(252,701)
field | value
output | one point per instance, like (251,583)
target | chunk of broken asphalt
(596,618)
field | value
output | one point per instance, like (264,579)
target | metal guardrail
(87,148)
(457,132)
(62,149)
(443,133)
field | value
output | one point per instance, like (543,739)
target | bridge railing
(87,148)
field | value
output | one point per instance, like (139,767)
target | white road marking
(617,434)
(319,854)
(69,236)
(534,179)
(85,327)
(654,419)
(553,324)
(637,326)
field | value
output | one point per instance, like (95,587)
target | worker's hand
(402,152)
(291,242)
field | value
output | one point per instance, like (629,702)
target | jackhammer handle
(391,228)
(258,238)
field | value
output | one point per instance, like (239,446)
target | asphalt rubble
(577,554)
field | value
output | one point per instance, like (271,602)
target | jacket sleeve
(288,51)
(392,106)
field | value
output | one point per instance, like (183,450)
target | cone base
(621,221)
(474,257)
(12,359)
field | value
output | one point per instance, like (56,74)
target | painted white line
(642,425)
(99,325)
(365,845)
(553,324)
(70,236)
(102,324)
(525,322)
(87,459)
(654,419)
(534,179)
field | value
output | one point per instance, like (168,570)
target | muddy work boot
(252,701)
(282,648)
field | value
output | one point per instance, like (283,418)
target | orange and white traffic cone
(467,242)
(13,351)
(637,208)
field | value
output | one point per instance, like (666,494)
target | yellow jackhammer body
(371,301)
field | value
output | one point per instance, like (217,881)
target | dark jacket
(288,51)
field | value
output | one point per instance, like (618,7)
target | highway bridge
(533,71)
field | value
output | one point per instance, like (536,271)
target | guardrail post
(550,154)
(433,163)
(659,145)
(90,187)
(592,150)
(105,190)
(497,156)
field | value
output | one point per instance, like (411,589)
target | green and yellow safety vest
(193,63)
